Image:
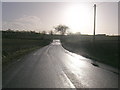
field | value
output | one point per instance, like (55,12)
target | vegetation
(17,43)
(105,48)
(62,29)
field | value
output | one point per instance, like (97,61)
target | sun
(77,17)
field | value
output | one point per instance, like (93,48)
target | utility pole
(94,22)
(94,61)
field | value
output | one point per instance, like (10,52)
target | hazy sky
(78,17)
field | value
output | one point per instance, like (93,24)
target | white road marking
(67,83)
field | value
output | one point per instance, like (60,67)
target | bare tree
(62,29)
(51,32)
(43,32)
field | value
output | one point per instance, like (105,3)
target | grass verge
(13,49)
(103,51)
(16,55)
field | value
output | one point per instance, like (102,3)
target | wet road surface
(54,67)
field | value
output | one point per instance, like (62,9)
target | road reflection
(80,71)
(83,74)
(56,42)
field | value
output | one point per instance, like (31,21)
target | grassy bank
(18,44)
(105,48)
(16,55)
(12,49)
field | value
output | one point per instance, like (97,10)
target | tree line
(59,28)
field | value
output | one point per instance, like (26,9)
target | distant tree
(43,32)
(51,32)
(62,29)
(9,30)
(78,33)
(31,31)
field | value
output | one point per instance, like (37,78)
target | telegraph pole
(94,62)
(94,22)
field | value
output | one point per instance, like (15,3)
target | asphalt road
(54,67)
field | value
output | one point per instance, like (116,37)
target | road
(54,67)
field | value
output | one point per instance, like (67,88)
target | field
(104,49)
(17,44)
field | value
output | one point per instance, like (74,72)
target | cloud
(23,23)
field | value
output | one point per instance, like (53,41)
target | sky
(78,16)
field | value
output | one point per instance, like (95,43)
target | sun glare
(77,17)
